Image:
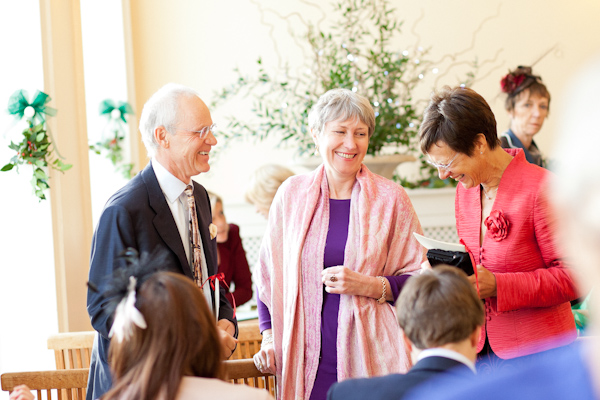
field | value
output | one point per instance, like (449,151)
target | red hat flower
(511,82)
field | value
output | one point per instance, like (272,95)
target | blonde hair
(214,199)
(263,184)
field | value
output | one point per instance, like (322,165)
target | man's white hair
(161,109)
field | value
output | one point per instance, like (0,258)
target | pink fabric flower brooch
(497,225)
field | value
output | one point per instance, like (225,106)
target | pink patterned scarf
(288,277)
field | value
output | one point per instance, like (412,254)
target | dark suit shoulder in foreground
(565,374)
(396,386)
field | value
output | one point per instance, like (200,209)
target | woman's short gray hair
(341,104)
(161,109)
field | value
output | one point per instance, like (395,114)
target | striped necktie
(200,269)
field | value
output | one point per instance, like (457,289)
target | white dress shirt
(451,354)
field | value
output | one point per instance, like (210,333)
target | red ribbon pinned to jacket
(220,277)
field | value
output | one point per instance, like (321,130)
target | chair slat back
(62,384)
(249,340)
(72,350)
(245,372)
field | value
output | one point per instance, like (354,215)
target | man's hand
(226,331)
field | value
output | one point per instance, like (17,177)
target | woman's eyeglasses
(446,166)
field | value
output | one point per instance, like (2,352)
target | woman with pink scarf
(338,249)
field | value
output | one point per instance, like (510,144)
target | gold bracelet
(382,299)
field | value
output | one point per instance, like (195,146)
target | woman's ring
(259,366)
(333,278)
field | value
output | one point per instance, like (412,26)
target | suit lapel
(163,220)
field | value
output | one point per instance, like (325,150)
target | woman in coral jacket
(503,218)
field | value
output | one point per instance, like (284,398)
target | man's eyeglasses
(446,166)
(202,133)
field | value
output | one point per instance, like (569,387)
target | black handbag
(458,259)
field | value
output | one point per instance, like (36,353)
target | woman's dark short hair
(529,85)
(438,307)
(456,116)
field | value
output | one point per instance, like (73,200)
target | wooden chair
(249,340)
(245,372)
(66,384)
(72,350)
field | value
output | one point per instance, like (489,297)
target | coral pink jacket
(288,277)
(531,312)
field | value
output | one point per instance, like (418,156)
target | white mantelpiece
(435,209)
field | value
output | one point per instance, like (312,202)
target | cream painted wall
(198,43)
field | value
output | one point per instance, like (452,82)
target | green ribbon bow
(18,103)
(108,106)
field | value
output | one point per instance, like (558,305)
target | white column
(70,192)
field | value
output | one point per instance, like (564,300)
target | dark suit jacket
(396,386)
(138,216)
(556,374)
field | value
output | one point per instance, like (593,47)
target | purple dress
(339,219)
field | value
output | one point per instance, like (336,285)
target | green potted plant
(356,54)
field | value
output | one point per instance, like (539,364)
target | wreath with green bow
(111,144)
(36,147)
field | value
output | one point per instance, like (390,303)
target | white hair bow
(126,315)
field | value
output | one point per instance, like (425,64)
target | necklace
(486,193)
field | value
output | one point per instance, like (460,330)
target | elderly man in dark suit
(441,316)
(152,213)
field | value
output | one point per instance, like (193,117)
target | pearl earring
(316,153)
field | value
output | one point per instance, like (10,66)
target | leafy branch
(358,52)
(36,150)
